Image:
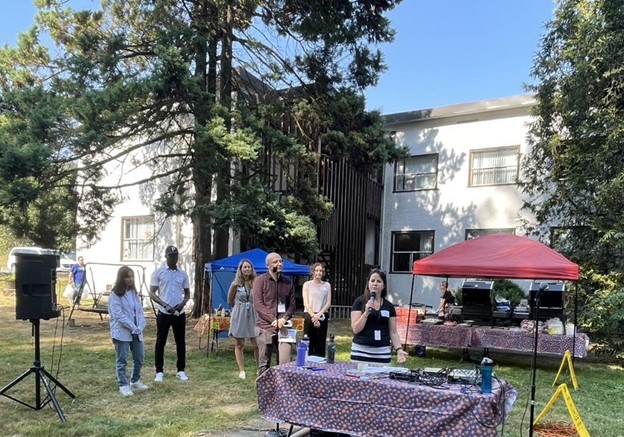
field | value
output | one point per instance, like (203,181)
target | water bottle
(306,341)
(486,376)
(302,350)
(331,349)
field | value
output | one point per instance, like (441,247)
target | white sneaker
(182,376)
(125,391)
(242,375)
(159,377)
(139,385)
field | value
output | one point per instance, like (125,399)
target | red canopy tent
(501,256)
(498,256)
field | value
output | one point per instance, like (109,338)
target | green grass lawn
(214,401)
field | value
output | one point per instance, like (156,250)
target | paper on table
(315,359)
(380,369)
(291,338)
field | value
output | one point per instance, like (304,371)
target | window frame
(471,168)
(393,252)
(489,231)
(396,174)
(147,241)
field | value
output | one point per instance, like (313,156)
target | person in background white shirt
(127,322)
(169,288)
(316,302)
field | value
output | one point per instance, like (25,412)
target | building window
(494,166)
(410,246)
(475,233)
(416,173)
(137,238)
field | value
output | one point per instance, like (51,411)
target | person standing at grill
(243,319)
(373,321)
(274,302)
(316,302)
(169,288)
(447,299)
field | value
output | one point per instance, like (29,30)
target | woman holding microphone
(373,321)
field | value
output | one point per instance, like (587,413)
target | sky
(445,51)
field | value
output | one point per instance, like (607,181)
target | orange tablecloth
(219,323)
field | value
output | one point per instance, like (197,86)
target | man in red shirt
(274,302)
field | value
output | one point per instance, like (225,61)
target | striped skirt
(370,354)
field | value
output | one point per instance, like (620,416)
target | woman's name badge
(281,308)
(377,335)
(385,313)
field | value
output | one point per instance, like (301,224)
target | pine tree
(195,90)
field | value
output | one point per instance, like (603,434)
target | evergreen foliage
(574,174)
(198,92)
(509,290)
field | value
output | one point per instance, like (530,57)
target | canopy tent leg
(409,315)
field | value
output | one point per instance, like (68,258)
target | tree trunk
(222,235)
(202,249)
(203,165)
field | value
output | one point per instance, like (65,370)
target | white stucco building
(458,183)
(136,235)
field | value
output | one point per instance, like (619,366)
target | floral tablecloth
(504,339)
(452,337)
(329,400)
(522,341)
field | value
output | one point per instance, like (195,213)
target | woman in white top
(316,302)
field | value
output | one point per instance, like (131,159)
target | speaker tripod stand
(42,376)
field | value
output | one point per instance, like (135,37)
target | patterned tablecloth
(330,400)
(522,341)
(452,337)
(460,337)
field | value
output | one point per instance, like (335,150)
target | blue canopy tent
(220,273)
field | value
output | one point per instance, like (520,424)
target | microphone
(372,298)
(277,274)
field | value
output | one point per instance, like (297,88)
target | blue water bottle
(302,349)
(486,375)
(306,340)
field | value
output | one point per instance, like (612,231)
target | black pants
(317,336)
(178,324)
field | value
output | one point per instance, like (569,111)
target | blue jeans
(121,350)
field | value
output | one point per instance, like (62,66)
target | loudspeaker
(35,286)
